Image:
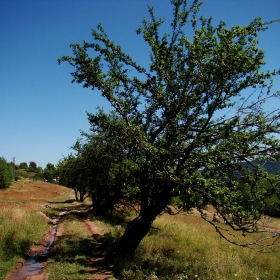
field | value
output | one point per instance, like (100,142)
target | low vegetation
(77,254)
(177,247)
(20,228)
(185,247)
(20,224)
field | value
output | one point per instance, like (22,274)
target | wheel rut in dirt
(98,264)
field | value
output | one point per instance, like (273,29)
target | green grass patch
(19,229)
(185,247)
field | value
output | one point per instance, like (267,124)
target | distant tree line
(9,172)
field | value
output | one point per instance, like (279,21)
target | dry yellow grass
(31,194)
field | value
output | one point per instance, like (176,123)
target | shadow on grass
(115,220)
(86,256)
(75,208)
(117,217)
(88,253)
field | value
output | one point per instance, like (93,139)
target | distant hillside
(271,167)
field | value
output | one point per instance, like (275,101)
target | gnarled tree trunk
(138,228)
(135,231)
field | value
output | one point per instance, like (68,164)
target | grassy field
(188,248)
(179,247)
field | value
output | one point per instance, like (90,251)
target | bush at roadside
(6,174)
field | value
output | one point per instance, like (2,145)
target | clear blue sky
(41,111)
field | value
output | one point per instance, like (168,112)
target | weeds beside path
(21,226)
(77,253)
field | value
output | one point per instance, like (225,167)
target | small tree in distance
(23,165)
(6,173)
(71,171)
(50,172)
(186,144)
(32,166)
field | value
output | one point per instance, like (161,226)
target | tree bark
(76,194)
(135,231)
(138,228)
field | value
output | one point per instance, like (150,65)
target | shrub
(6,174)
(272,206)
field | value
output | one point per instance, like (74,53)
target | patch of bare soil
(99,266)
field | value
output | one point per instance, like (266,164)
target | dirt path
(100,268)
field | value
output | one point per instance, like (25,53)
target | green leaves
(6,174)
(188,122)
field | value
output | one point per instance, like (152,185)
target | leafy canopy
(193,116)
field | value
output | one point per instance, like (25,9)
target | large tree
(194,116)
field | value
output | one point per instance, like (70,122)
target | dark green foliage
(272,202)
(32,166)
(272,206)
(101,166)
(107,154)
(196,124)
(50,173)
(23,165)
(6,174)
(71,173)
(38,176)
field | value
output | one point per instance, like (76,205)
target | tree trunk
(82,195)
(138,228)
(135,231)
(76,194)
